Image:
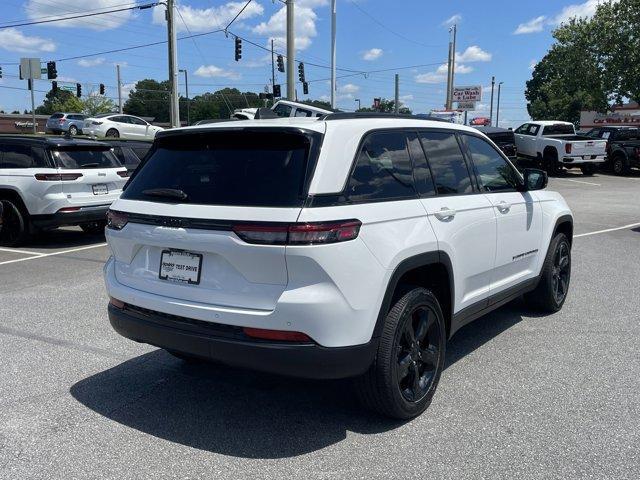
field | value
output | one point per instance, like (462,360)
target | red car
(480,122)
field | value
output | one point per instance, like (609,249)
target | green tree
(52,101)
(387,106)
(95,104)
(149,98)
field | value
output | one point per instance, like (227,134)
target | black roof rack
(361,115)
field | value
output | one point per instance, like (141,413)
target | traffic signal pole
(33,102)
(291,52)
(273,73)
(174,108)
(333,53)
(119,89)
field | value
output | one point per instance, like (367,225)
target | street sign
(30,65)
(466,106)
(43,71)
(467,94)
(68,88)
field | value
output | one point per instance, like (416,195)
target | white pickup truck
(283,108)
(554,144)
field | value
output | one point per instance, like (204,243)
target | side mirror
(534,179)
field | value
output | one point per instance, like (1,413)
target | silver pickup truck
(554,145)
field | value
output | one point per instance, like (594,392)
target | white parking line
(42,255)
(14,250)
(578,181)
(631,225)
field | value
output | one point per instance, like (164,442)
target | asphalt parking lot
(523,396)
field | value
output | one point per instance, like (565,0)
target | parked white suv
(114,125)
(346,246)
(51,182)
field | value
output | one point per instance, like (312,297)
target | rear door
(97,181)
(463,220)
(519,215)
(191,196)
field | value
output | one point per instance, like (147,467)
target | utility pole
(291,52)
(453,65)
(273,72)
(33,102)
(333,53)
(358,100)
(119,89)
(186,91)
(447,103)
(498,106)
(493,82)
(396,105)
(174,108)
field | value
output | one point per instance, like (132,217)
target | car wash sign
(467,94)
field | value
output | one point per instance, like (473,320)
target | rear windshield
(502,137)
(628,134)
(57,115)
(241,168)
(85,158)
(558,129)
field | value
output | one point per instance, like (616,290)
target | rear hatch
(588,148)
(183,204)
(94,174)
(55,121)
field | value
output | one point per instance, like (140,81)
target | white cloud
(452,19)
(404,98)
(211,71)
(14,40)
(203,19)
(473,54)
(372,54)
(305,24)
(38,8)
(532,26)
(580,10)
(440,75)
(126,90)
(63,78)
(532,64)
(88,62)
(348,88)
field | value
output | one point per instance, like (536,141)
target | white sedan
(115,125)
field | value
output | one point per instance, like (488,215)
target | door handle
(503,206)
(445,214)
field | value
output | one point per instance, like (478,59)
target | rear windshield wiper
(165,192)
(89,165)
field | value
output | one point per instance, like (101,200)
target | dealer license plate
(180,266)
(100,189)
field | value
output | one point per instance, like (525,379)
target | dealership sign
(467,94)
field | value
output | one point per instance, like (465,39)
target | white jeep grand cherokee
(346,246)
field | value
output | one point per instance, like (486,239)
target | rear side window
(21,156)
(448,166)
(283,110)
(558,129)
(239,168)
(493,172)
(421,170)
(57,115)
(85,158)
(383,169)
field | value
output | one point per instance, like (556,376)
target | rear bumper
(583,161)
(227,344)
(60,219)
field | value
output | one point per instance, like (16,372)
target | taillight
(124,174)
(69,209)
(280,335)
(116,220)
(116,303)
(61,121)
(567,147)
(299,233)
(57,177)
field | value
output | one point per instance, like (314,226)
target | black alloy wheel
(418,353)
(619,165)
(13,228)
(561,272)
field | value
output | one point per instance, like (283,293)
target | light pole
(291,52)
(493,82)
(333,53)
(186,88)
(358,100)
(498,106)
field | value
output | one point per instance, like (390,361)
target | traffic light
(54,87)
(305,88)
(78,90)
(238,48)
(29,84)
(276,91)
(301,72)
(0,71)
(280,64)
(102,89)
(51,70)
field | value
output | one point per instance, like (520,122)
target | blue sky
(409,37)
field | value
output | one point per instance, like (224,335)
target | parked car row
(107,125)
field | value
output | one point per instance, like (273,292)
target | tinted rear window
(502,137)
(57,115)
(558,129)
(242,168)
(85,158)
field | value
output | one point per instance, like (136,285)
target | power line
(58,16)
(238,14)
(61,19)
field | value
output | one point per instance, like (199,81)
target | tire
(94,227)
(404,375)
(552,289)
(588,169)
(551,164)
(112,133)
(619,165)
(15,225)
(73,130)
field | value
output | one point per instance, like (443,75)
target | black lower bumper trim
(61,219)
(296,360)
